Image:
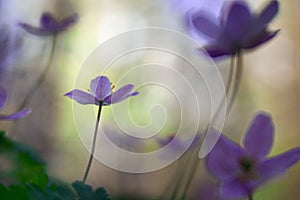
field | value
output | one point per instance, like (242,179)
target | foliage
(27,177)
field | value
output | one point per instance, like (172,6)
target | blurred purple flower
(101,92)
(242,170)
(49,25)
(14,116)
(237,29)
(10,43)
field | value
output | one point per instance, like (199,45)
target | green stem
(41,79)
(94,143)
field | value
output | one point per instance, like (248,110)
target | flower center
(247,167)
(112,87)
(246,164)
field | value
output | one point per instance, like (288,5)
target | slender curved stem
(41,79)
(94,144)
(193,159)
(238,77)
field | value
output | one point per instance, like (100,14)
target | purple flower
(14,116)
(237,29)
(242,170)
(49,25)
(101,92)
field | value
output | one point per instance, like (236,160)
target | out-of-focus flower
(237,29)
(101,93)
(14,116)
(242,170)
(49,25)
(10,44)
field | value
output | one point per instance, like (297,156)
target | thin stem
(238,77)
(93,145)
(196,162)
(41,79)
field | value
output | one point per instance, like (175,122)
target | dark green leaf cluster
(23,176)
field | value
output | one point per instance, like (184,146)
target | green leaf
(62,189)
(26,162)
(86,192)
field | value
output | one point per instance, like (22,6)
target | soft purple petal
(17,115)
(100,87)
(259,137)
(120,94)
(35,31)
(233,189)
(215,52)
(264,38)
(269,12)
(69,21)
(204,25)
(3,97)
(82,97)
(222,161)
(277,165)
(48,22)
(238,20)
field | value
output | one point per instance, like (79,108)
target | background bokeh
(270,83)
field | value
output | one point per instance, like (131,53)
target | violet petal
(82,97)
(259,137)
(277,165)
(120,94)
(215,52)
(69,21)
(264,38)
(48,22)
(17,115)
(34,30)
(233,189)
(100,87)
(269,12)
(203,24)
(222,161)
(238,20)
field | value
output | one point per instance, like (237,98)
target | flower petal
(238,20)
(48,22)
(69,21)
(17,115)
(216,52)
(222,161)
(100,87)
(111,100)
(3,97)
(120,95)
(34,30)
(204,25)
(82,97)
(264,38)
(277,165)
(269,12)
(233,189)
(259,137)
